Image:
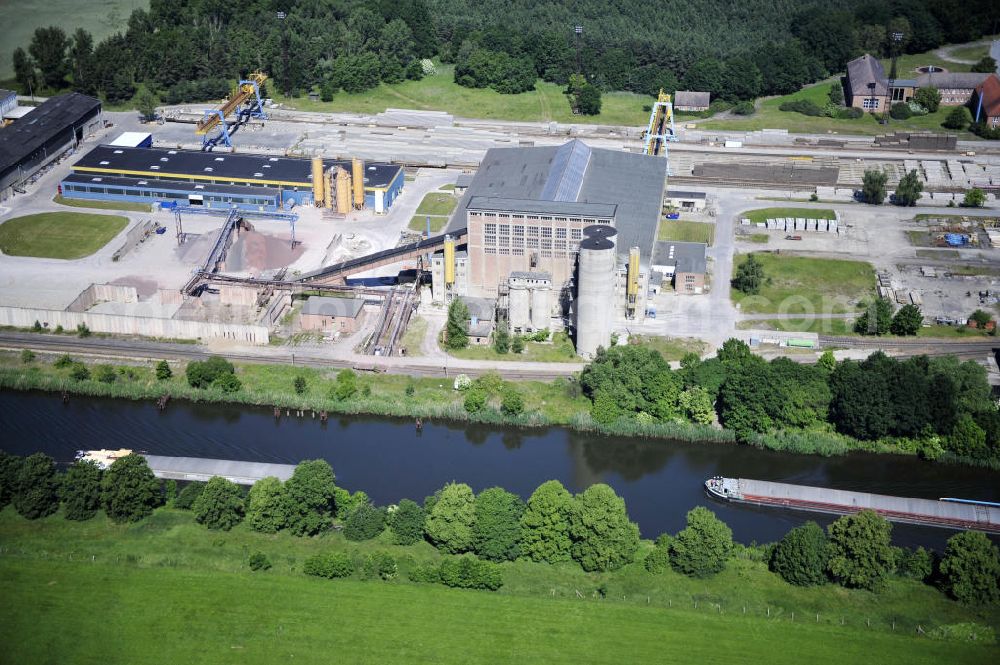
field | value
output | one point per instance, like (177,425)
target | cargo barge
(945,513)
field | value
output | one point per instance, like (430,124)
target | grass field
(414,336)
(682,231)
(764,214)
(671,348)
(559,350)
(437,203)
(974,52)
(439,92)
(418,223)
(819,326)
(98,17)
(59,235)
(759,238)
(803,285)
(168,590)
(130,206)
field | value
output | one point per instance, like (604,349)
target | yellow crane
(244,101)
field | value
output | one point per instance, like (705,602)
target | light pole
(578,30)
(895,39)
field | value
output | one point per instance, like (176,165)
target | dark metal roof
(23,138)
(542,207)
(685,195)
(223,166)
(170,185)
(594,243)
(324,306)
(352,264)
(600,231)
(685,256)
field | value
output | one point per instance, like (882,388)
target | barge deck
(949,514)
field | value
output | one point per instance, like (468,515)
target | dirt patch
(144,286)
(254,251)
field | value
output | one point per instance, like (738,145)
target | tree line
(933,406)
(476,533)
(186,50)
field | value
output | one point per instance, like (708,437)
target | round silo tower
(595,291)
(541,307)
(520,305)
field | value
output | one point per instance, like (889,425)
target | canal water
(387,458)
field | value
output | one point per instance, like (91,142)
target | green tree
(24,71)
(346,385)
(876,319)
(970,569)
(749,276)
(802,556)
(364,523)
(974,198)
(908,190)
(80,490)
(82,64)
(701,548)
(299,384)
(517,344)
(588,99)
(227,383)
(267,506)
(347,503)
(697,405)
(456,332)
(449,523)
(48,48)
(967,438)
(105,373)
(827,361)
(511,403)
(501,338)
(188,495)
(145,103)
(203,373)
(603,536)
(407,523)
(475,400)
(79,372)
(915,564)
(545,525)
(981,318)
(873,186)
(657,560)
(9,467)
(836,94)
(163,371)
(929,98)
(907,321)
(861,553)
(958,118)
(220,505)
(380,566)
(496,530)
(129,490)
(36,487)
(986,65)
(310,498)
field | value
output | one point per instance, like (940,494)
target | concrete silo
(520,306)
(541,307)
(595,290)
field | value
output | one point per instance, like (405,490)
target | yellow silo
(328,188)
(317,178)
(343,179)
(449,261)
(358,180)
(633,273)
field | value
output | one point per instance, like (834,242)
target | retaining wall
(22,317)
(96,293)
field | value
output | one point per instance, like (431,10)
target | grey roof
(684,256)
(904,83)
(542,207)
(864,70)
(5,93)
(685,195)
(480,308)
(464,179)
(197,468)
(634,183)
(691,98)
(538,276)
(324,306)
(49,120)
(959,80)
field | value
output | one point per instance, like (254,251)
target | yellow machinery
(449,261)
(358,180)
(632,287)
(319,195)
(244,100)
(343,186)
(661,126)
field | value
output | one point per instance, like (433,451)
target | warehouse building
(43,135)
(683,264)
(213,180)
(340,315)
(688,201)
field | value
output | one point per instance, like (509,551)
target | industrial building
(340,315)
(689,201)
(8,102)
(245,181)
(547,227)
(691,101)
(683,264)
(43,135)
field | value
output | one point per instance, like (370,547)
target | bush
(970,569)
(803,106)
(929,98)
(204,373)
(364,523)
(227,383)
(220,504)
(512,403)
(915,564)
(475,400)
(36,487)
(82,330)
(27,356)
(407,522)
(64,361)
(299,384)
(427,573)
(259,561)
(702,547)
(468,572)
(744,108)
(657,561)
(189,495)
(517,344)
(802,556)
(462,382)
(163,371)
(105,373)
(346,385)
(850,113)
(958,118)
(900,111)
(381,566)
(330,565)
(79,372)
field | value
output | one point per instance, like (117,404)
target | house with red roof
(986,102)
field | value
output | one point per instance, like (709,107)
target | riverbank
(115,583)
(558,403)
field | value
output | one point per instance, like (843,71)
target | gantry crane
(661,126)
(244,101)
